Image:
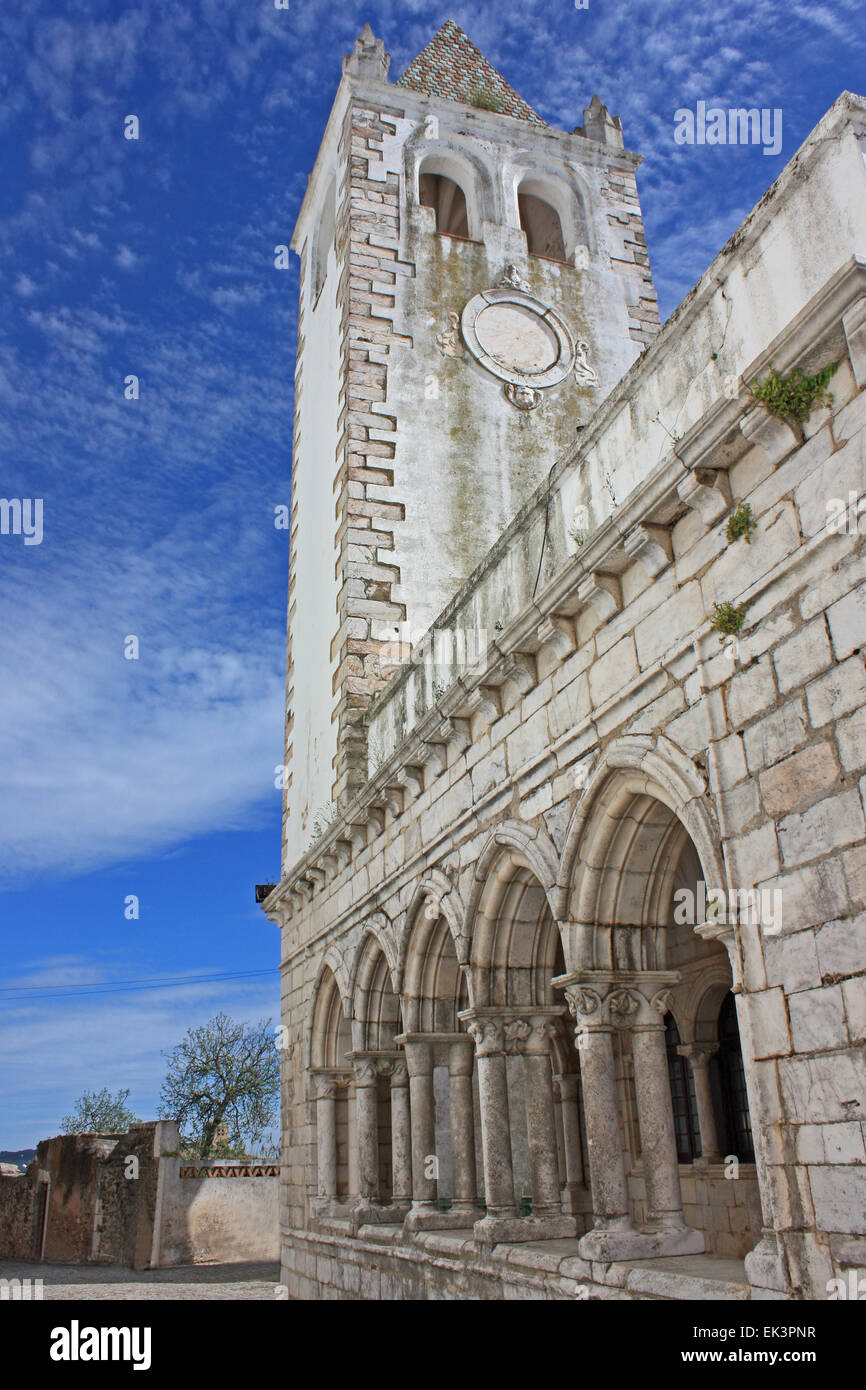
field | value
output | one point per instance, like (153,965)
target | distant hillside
(20,1157)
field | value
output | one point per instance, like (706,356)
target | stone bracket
(651,545)
(854,326)
(603,592)
(707,491)
(558,634)
(775,436)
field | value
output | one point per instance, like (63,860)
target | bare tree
(224,1073)
(99,1112)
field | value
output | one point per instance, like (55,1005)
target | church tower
(473,284)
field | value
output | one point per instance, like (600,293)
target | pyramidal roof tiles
(452,67)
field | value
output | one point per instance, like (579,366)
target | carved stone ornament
(582,1001)
(662,1001)
(517,1030)
(582,370)
(512,279)
(449,341)
(399,1074)
(523,397)
(487,1034)
(623,1003)
(518,339)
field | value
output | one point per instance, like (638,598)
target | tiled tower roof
(452,67)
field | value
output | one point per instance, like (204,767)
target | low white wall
(216,1219)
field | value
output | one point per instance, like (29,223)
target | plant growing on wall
(728,619)
(795,394)
(484,99)
(742,523)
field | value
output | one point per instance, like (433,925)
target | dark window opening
(729,1078)
(686,1124)
(542,226)
(448,202)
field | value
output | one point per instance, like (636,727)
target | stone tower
(473,284)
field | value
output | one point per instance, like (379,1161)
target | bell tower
(473,284)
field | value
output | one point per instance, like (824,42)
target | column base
(460,1220)
(507,1230)
(765,1265)
(629,1243)
(576,1198)
(368,1213)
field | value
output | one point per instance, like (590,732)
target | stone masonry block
(832,823)
(837,692)
(802,777)
(802,655)
(750,693)
(817,1020)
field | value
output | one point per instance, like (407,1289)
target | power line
(127,986)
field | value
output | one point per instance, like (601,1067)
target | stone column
(367,1121)
(461,1058)
(656,1119)
(568,1085)
(610,1204)
(326,1136)
(419,1060)
(698,1055)
(489,1036)
(541,1117)
(401,1134)
(604,1001)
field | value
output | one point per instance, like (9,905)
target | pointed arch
(375,1002)
(515,943)
(330,1037)
(433,956)
(635,764)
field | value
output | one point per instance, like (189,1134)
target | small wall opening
(448,201)
(542,227)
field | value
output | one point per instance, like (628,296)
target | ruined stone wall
(17,1216)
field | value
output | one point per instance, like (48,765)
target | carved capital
(698,1053)
(488,1035)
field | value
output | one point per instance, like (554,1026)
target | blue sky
(155,257)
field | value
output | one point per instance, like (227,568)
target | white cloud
(54,1049)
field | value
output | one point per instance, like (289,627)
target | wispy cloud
(54,1048)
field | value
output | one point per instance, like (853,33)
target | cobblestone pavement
(236,1281)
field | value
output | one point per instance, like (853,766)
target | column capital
(328,1081)
(512,1030)
(399,1072)
(419,1054)
(698,1053)
(609,999)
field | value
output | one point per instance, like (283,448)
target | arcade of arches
(533,1078)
